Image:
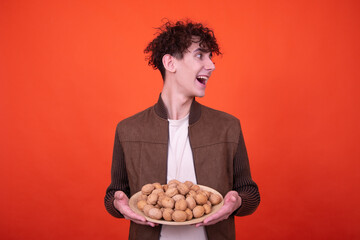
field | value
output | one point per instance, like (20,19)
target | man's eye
(199,55)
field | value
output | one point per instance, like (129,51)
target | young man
(178,138)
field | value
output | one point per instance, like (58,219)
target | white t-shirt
(180,167)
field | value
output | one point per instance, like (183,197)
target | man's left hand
(232,201)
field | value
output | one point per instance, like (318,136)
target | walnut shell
(183,189)
(177,197)
(147,189)
(214,198)
(179,216)
(146,209)
(191,202)
(189,214)
(207,208)
(172,185)
(157,185)
(152,199)
(171,192)
(167,214)
(140,204)
(191,193)
(198,211)
(201,198)
(174,181)
(160,198)
(168,202)
(142,197)
(188,184)
(155,213)
(207,193)
(157,191)
(195,187)
(181,205)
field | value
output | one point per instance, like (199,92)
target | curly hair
(175,39)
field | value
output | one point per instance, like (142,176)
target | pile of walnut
(176,201)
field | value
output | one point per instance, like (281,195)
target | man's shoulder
(216,114)
(136,119)
(145,126)
(215,126)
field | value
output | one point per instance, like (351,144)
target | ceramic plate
(133,202)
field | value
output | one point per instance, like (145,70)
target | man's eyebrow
(200,49)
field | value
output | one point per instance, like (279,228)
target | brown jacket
(219,153)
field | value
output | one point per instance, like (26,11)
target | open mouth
(202,79)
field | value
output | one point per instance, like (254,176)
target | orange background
(70,70)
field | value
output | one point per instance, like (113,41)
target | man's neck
(177,105)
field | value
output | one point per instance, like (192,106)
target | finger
(225,210)
(125,210)
(151,224)
(119,195)
(212,217)
(210,222)
(214,221)
(232,201)
(231,193)
(141,221)
(230,198)
(222,214)
(131,214)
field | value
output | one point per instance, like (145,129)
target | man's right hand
(121,203)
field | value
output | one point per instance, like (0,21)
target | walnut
(147,189)
(179,216)
(198,211)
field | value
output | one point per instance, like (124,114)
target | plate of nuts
(176,203)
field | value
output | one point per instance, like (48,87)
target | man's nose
(209,65)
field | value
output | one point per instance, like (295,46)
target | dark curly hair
(175,39)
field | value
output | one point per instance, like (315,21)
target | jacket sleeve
(243,183)
(119,178)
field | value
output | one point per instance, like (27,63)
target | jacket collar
(195,110)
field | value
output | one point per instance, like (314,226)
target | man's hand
(121,203)
(232,201)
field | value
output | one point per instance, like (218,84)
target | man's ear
(169,63)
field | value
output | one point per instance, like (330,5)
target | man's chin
(198,94)
(201,95)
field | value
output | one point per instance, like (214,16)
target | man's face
(193,71)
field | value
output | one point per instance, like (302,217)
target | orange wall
(70,70)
